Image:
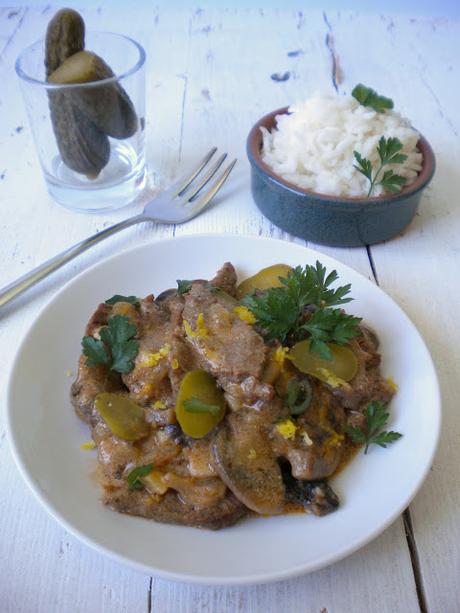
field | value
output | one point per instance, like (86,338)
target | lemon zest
(152,359)
(287,428)
(174,364)
(392,384)
(245,314)
(88,445)
(159,405)
(281,353)
(335,439)
(331,379)
(163,351)
(252,455)
(201,329)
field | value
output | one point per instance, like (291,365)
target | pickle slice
(124,417)
(199,386)
(264,279)
(343,366)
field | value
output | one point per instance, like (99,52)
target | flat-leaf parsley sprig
(330,326)
(376,418)
(280,311)
(389,153)
(117,348)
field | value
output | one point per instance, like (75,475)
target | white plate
(46,434)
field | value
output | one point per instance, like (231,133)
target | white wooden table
(209,79)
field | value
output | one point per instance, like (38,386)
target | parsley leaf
(364,165)
(376,418)
(195,405)
(134,477)
(276,311)
(280,310)
(392,182)
(117,348)
(310,286)
(118,335)
(299,395)
(119,298)
(95,351)
(183,286)
(331,326)
(369,97)
(388,150)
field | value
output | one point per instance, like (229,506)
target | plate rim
(256,578)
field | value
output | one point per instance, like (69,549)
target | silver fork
(181,202)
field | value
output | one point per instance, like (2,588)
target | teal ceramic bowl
(332,220)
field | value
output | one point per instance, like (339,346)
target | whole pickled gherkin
(108,106)
(83,147)
(65,36)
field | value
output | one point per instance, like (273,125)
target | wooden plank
(420,268)
(10,21)
(341,587)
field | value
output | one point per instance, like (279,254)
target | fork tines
(191,187)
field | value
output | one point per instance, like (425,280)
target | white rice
(313,146)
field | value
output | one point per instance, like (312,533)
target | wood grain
(209,78)
(419,269)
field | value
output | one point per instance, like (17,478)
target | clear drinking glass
(85,168)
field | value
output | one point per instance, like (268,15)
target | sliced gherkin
(64,37)
(108,106)
(124,417)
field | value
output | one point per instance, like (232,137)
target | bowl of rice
(307,179)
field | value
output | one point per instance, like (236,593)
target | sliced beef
(225,279)
(150,374)
(98,319)
(319,444)
(225,345)
(169,509)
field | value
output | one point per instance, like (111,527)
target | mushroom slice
(250,472)
(316,496)
(167,293)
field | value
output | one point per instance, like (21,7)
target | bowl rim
(253,147)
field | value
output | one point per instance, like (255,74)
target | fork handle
(37,274)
